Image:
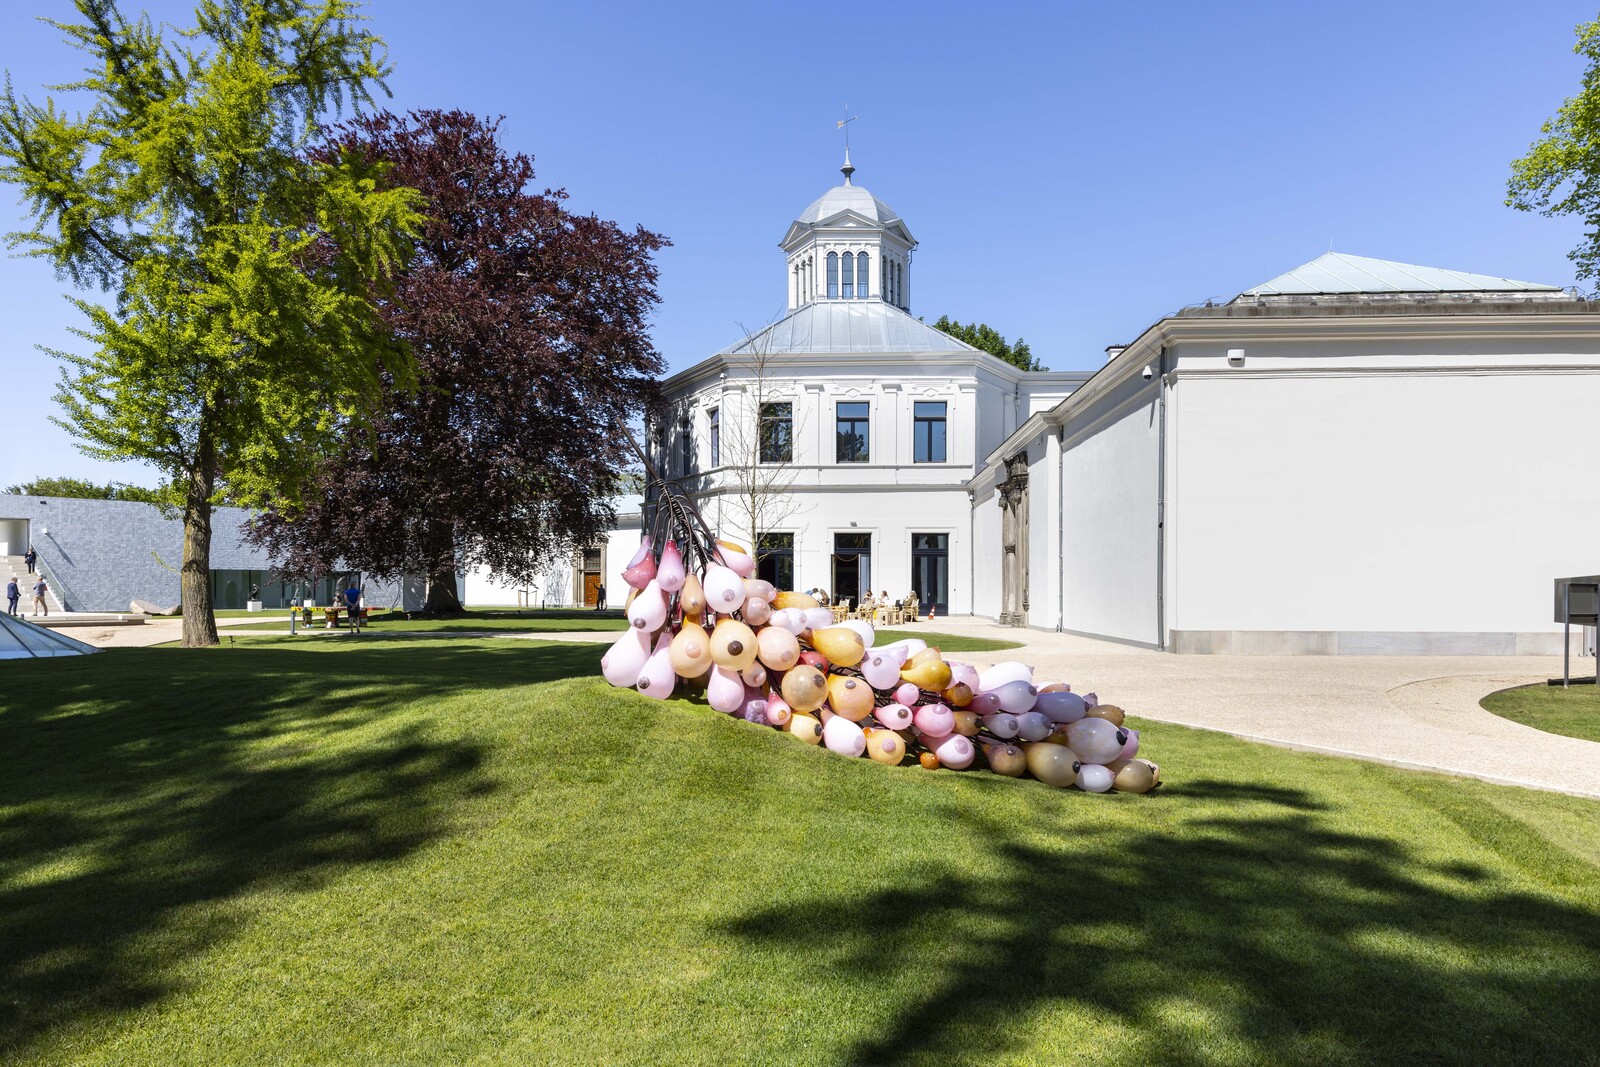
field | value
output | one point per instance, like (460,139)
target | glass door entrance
(852,566)
(930,571)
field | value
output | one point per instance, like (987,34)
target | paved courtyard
(1418,712)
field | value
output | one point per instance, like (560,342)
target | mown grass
(472,851)
(1573,711)
(484,620)
(947,642)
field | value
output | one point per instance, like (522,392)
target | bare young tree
(758,443)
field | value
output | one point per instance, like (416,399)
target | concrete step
(17,565)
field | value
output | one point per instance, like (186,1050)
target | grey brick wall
(106,553)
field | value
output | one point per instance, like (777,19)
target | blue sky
(1072,171)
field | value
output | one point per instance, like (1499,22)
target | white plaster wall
(483,589)
(1109,489)
(1388,502)
(986,554)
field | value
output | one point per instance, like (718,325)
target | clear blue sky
(1073,171)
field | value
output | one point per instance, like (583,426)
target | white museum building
(1355,457)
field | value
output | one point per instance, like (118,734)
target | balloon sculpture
(776,658)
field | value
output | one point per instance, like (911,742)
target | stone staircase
(18,566)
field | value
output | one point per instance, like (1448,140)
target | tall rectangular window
(854,429)
(927,444)
(777,433)
(685,446)
(775,559)
(714,417)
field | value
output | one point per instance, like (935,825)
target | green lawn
(480,621)
(946,642)
(1574,712)
(463,851)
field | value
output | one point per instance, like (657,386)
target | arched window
(899,285)
(862,284)
(847,287)
(833,275)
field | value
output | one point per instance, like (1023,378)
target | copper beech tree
(528,325)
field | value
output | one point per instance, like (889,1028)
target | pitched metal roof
(24,640)
(847,326)
(1336,272)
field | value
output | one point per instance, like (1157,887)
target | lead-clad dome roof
(848,197)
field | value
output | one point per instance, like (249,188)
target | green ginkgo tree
(237,330)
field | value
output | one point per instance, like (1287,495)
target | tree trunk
(199,624)
(442,598)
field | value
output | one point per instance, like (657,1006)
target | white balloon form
(724,589)
(649,609)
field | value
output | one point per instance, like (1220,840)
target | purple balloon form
(985,703)
(1061,707)
(1032,726)
(725,690)
(844,737)
(907,694)
(624,660)
(755,707)
(1003,725)
(895,716)
(671,574)
(934,720)
(1131,749)
(1094,778)
(649,609)
(1096,740)
(657,678)
(881,668)
(642,567)
(724,589)
(1017,697)
(954,751)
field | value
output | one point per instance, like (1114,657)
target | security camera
(1148,373)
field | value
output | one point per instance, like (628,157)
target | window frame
(714,434)
(833,275)
(863,420)
(918,421)
(767,423)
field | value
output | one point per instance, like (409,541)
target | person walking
(31,558)
(13,594)
(39,602)
(599,598)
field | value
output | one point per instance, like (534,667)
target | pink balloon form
(671,574)
(657,679)
(737,562)
(1017,697)
(1096,740)
(725,690)
(724,589)
(1131,748)
(907,694)
(985,703)
(818,618)
(649,609)
(955,752)
(963,674)
(1061,707)
(778,710)
(791,619)
(895,716)
(1033,726)
(642,567)
(759,588)
(625,659)
(756,612)
(934,720)
(1002,725)
(844,737)
(754,675)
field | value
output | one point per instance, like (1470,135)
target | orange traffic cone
(930,612)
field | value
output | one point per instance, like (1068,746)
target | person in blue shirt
(352,603)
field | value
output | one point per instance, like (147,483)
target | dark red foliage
(528,324)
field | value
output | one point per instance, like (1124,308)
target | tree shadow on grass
(1277,935)
(138,786)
